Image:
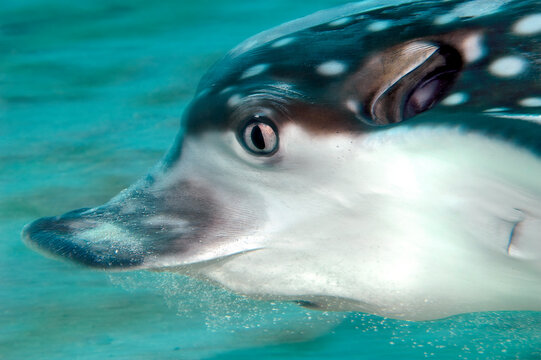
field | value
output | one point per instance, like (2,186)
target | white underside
(406,223)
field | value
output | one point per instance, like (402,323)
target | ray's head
(276,126)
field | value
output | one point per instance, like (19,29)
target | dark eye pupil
(257,138)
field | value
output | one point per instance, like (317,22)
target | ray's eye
(259,136)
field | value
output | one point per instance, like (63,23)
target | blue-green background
(91,93)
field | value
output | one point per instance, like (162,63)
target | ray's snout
(144,226)
(81,237)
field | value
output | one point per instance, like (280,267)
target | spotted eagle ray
(376,158)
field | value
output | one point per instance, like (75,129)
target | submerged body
(385,160)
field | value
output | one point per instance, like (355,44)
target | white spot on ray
(528,25)
(248,45)
(496,109)
(455,99)
(473,48)
(379,25)
(352,105)
(530,102)
(526,117)
(254,70)
(445,19)
(227,89)
(331,68)
(234,100)
(478,8)
(283,42)
(339,22)
(508,66)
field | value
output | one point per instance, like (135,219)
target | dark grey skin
(238,183)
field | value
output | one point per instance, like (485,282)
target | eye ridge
(259,136)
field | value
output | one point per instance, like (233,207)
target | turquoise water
(90,97)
